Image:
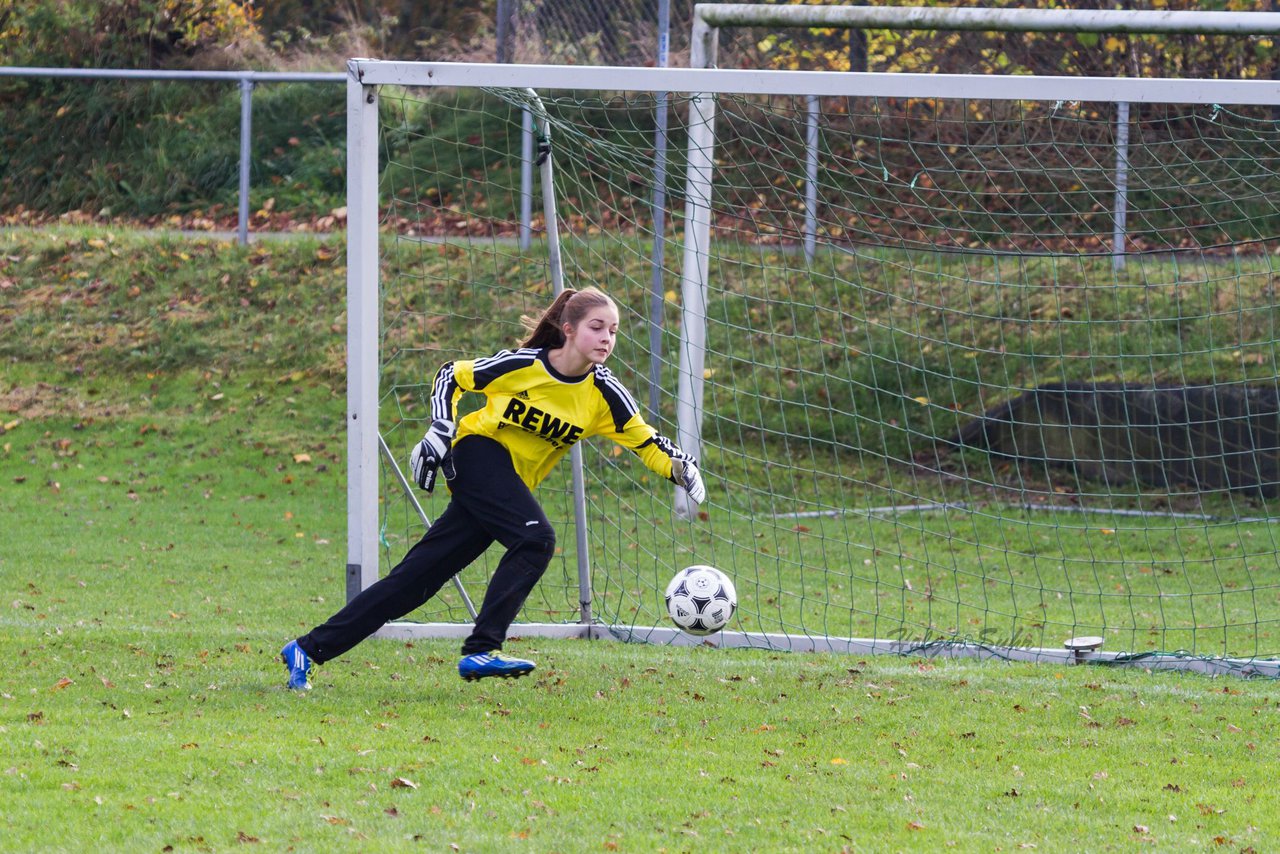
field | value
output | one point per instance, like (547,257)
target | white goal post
(367,78)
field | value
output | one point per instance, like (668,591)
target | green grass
(174,511)
(163,594)
(156,570)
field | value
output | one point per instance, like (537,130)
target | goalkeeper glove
(430,453)
(685,473)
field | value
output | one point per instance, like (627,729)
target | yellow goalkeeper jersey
(538,413)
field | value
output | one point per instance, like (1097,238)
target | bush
(145,149)
(160,148)
(121,33)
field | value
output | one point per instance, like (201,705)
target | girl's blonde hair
(569,307)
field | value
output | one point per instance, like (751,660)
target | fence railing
(246,80)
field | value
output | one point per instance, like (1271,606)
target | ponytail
(545,331)
(570,307)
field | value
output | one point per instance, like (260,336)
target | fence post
(657,298)
(1122,186)
(526,179)
(811,178)
(246,154)
(504,35)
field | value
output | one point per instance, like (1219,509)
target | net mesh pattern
(960,416)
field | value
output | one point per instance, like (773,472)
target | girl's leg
(486,484)
(452,542)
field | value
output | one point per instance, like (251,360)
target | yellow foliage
(923,51)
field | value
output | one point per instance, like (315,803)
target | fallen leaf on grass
(64,682)
(403,783)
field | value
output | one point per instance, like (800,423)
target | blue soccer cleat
(298,663)
(481,665)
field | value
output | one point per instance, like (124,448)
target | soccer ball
(701,599)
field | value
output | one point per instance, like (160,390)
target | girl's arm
(445,391)
(623,424)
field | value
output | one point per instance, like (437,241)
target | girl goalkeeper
(539,400)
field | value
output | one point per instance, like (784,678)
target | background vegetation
(150,152)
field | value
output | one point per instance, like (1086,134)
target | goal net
(944,403)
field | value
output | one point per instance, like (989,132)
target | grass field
(172,484)
(143,707)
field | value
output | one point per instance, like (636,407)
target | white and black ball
(701,599)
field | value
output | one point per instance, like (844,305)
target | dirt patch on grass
(45,400)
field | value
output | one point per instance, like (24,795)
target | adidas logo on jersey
(522,394)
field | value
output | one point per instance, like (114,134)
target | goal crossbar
(1135,90)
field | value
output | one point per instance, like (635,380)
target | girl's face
(594,336)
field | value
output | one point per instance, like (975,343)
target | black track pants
(489,503)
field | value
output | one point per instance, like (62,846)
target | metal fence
(246,80)
(646,33)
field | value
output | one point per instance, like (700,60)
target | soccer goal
(936,417)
